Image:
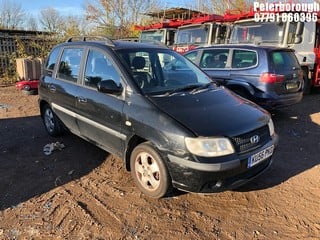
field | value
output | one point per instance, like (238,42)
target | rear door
(62,85)
(285,66)
(99,114)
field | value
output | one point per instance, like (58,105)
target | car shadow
(25,171)
(298,127)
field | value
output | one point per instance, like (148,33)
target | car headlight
(271,127)
(209,147)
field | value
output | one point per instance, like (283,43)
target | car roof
(114,44)
(246,46)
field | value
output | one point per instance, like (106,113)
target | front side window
(214,58)
(99,67)
(192,56)
(69,65)
(244,58)
(159,71)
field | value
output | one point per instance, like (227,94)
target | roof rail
(107,40)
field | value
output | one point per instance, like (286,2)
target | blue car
(268,76)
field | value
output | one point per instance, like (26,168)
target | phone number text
(284,16)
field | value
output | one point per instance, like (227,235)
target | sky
(64,7)
(72,7)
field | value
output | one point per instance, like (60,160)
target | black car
(173,128)
(268,76)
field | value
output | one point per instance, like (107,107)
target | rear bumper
(279,101)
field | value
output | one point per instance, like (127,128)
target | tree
(51,20)
(32,23)
(117,17)
(220,7)
(11,15)
(73,26)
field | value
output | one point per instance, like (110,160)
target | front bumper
(216,177)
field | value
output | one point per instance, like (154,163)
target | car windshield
(191,35)
(152,35)
(160,71)
(253,32)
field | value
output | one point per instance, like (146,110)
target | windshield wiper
(200,88)
(183,89)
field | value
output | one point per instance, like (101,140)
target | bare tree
(220,7)
(51,20)
(11,15)
(116,17)
(32,23)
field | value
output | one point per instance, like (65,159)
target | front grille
(243,144)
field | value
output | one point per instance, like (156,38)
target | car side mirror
(109,86)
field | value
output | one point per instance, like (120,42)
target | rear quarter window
(283,60)
(52,59)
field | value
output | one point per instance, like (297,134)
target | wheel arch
(42,103)
(134,141)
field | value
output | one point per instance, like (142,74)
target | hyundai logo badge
(255,139)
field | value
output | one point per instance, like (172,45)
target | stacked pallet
(28,68)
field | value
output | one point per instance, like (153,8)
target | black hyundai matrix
(159,112)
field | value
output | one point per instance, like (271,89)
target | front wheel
(149,171)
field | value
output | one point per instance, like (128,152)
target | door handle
(81,99)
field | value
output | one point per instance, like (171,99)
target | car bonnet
(217,112)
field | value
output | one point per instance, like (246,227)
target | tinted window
(99,67)
(284,60)
(69,65)
(214,58)
(52,59)
(244,58)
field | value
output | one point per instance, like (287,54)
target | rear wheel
(51,122)
(149,171)
(306,84)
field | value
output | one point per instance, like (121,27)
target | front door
(99,115)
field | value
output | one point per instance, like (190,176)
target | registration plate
(291,86)
(260,156)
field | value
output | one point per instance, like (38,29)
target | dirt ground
(82,192)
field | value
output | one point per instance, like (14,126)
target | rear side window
(283,60)
(69,64)
(214,58)
(243,58)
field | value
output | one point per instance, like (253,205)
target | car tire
(26,87)
(30,92)
(149,171)
(51,122)
(306,84)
